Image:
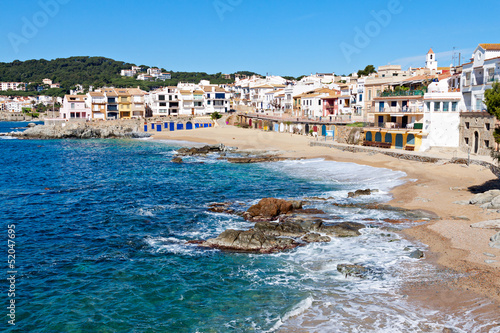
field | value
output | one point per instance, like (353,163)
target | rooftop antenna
(453,59)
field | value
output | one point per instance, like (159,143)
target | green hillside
(96,71)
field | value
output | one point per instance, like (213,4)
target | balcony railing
(397,93)
(397,109)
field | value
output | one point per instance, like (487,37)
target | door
(323,130)
(158,127)
(476,142)
(404,122)
(180,126)
(250,122)
(189,125)
(172,126)
(399,141)
(307,129)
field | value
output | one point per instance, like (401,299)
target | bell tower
(430,61)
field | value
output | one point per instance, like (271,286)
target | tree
(492,100)
(216,115)
(367,71)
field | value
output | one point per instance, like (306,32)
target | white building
(75,107)
(479,75)
(442,107)
(16,86)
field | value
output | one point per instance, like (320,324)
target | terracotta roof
(96,93)
(490,47)
(430,51)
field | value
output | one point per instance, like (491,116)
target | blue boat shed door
(399,141)
(172,126)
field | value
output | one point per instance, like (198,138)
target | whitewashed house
(441,121)
(479,75)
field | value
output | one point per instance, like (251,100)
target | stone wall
(476,132)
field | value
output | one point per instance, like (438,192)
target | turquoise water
(101,227)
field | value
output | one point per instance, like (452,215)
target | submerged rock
(417,254)
(352,270)
(177,160)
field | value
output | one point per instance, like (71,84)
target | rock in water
(495,241)
(343,229)
(316,238)
(284,229)
(269,208)
(177,160)
(31,125)
(359,193)
(417,254)
(250,241)
(352,270)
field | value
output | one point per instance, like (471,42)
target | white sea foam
(171,245)
(8,137)
(350,176)
(297,310)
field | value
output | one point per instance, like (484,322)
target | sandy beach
(453,245)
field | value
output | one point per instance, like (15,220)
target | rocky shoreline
(79,131)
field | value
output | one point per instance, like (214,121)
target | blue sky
(280,37)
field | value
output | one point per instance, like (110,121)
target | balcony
(399,109)
(492,78)
(112,108)
(402,93)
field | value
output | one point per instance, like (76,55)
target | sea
(101,230)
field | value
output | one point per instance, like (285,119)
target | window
(369,95)
(466,141)
(428,104)
(437,106)
(161,97)
(378,92)
(208,102)
(487,143)
(487,126)
(467,125)
(394,103)
(446,106)
(163,104)
(72,105)
(169,97)
(319,102)
(454,106)
(220,96)
(361,97)
(72,115)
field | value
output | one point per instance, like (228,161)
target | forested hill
(96,71)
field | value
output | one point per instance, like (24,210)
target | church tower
(431,62)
